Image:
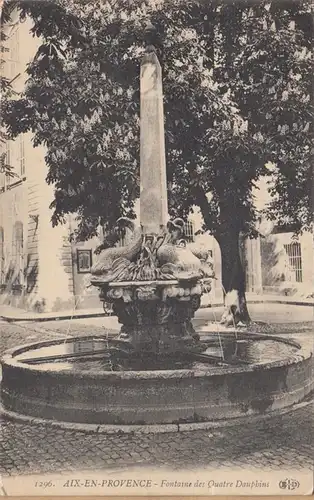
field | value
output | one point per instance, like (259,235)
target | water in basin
(91,355)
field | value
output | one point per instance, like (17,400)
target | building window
(2,181)
(189,231)
(84,261)
(8,177)
(22,155)
(2,270)
(122,239)
(293,251)
(17,253)
(14,53)
(14,160)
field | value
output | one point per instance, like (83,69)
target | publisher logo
(289,484)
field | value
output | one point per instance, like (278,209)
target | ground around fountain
(277,443)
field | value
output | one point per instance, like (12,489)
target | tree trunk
(233,280)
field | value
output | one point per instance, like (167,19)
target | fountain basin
(86,392)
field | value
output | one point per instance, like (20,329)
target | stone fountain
(155,283)
(158,369)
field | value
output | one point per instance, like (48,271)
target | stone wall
(55,279)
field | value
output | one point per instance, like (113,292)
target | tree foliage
(237,79)
(236,82)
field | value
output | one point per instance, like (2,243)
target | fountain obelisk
(153,199)
(154,284)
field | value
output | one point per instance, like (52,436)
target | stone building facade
(287,263)
(280,261)
(35,260)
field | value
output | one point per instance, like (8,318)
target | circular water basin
(91,355)
(82,380)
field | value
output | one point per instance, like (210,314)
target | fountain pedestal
(156,316)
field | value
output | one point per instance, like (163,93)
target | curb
(11,319)
(155,428)
(282,301)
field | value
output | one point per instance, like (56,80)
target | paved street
(281,442)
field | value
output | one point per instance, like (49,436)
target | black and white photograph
(156,247)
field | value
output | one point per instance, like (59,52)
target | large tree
(236,82)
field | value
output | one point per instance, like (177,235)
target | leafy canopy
(237,84)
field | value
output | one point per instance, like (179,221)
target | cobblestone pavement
(278,443)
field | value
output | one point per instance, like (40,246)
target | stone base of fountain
(84,381)
(156,316)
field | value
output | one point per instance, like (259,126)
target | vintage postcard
(156,247)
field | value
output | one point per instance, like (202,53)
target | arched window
(17,253)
